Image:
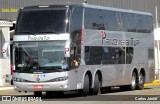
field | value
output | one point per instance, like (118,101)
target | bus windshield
(39,55)
(42,21)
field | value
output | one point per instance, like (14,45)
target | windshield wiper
(51,68)
(43,32)
(26,32)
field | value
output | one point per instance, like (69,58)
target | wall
(4,63)
(9,7)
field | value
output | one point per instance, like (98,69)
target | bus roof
(115,9)
(86,5)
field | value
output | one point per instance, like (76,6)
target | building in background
(5,71)
(9,8)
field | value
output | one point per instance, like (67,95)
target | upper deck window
(101,20)
(40,21)
(137,23)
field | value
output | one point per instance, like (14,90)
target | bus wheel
(38,93)
(97,88)
(133,82)
(140,84)
(85,90)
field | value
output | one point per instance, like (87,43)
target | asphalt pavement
(151,89)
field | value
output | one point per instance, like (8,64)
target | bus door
(74,65)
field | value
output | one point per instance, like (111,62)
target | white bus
(82,47)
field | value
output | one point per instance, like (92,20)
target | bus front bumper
(49,86)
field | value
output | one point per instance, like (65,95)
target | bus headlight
(18,80)
(60,79)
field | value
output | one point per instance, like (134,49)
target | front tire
(85,90)
(133,84)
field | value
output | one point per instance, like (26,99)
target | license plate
(38,86)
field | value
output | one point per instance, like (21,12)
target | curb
(6,88)
(154,83)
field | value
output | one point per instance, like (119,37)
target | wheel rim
(141,79)
(133,81)
(99,89)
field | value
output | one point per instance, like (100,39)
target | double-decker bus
(81,47)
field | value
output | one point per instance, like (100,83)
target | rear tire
(38,93)
(97,88)
(85,90)
(132,86)
(141,80)
(133,82)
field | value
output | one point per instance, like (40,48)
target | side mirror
(67,52)
(67,49)
(5,50)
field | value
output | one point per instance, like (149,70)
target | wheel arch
(87,72)
(142,70)
(99,76)
(135,70)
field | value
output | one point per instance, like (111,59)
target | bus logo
(38,79)
(66,50)
(118,42)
